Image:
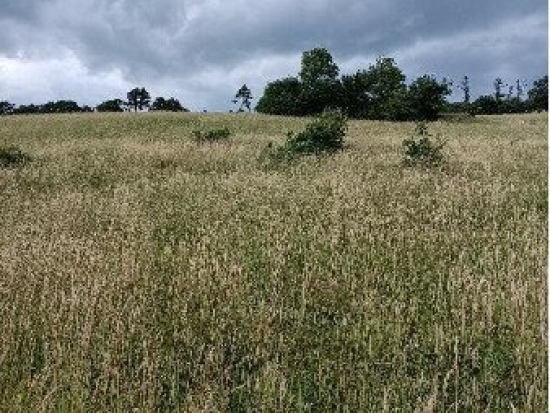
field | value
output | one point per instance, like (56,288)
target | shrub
(213,135)
(11,157)
(421,150)
(324,134)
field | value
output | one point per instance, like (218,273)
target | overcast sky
(202,51)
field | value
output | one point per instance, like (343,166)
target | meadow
(141,271)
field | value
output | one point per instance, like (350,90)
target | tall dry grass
(140,271)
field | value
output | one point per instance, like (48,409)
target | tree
(378,93)
(538,95)
(355,97)
(27,109)
(319,80)
(510,92)
(170,105)
(426,97)
(6,108)
(244,95)
(138,98)
(520,87)
(386,88)
(498,84)
(114,105)
(318,66)
(282,97)
(60,106)
(464,85)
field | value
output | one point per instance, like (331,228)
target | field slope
(140,271)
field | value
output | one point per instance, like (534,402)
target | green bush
(11,157)
(213,135)
(421,150)
(324,134)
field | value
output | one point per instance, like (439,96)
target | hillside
(141,270)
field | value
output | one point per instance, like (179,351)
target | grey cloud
(506,50)
(170,41)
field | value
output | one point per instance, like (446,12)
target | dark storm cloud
(103,33)
(505,50)
(209,42)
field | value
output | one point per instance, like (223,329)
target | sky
(202,51)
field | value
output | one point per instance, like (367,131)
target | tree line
(506,98)
(380,92)
(137,99)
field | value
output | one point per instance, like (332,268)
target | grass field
(140,271)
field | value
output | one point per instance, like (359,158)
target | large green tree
(318,66)
(138,99)
(282,97)
(386,88)
(113,105)
(319,81)
(426,97)
(355,98)
(168,105)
